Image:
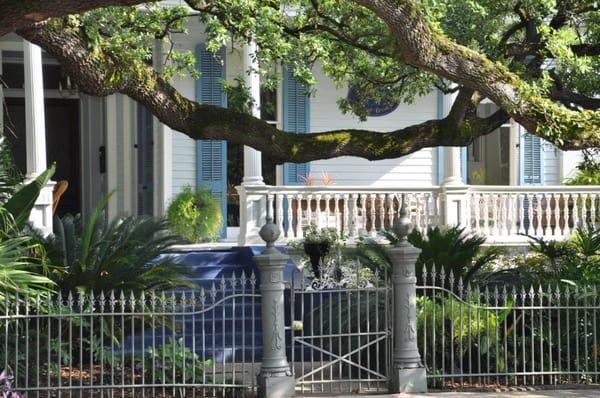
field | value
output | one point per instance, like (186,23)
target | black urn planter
(316,251)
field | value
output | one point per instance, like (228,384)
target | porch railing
(505,214)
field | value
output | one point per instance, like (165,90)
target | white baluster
(520,209)
(486,213)
(372,213)
(336,212)
(299,216)
(538,213)
(558,214)
(390,210)
(584,215)
(544,203)
(494,216)
(290,215)
(353,215)
(270,200)
(327,211)
(346,214)
(418,209)
(510,210)
(361,222)
(278,212)
(381,198)
(501,214)
(476,203)
(318,213)
(593,198)
(575,197)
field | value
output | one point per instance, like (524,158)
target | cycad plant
(124,254)
(450,249)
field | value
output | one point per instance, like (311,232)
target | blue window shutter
(531,165)
(211,156)
(295,120)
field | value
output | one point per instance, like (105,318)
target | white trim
(162,148)
(111,154)
(514,149)
(129,154)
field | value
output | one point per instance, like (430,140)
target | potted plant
(317,243)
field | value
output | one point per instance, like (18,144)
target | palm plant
(586,241)
(122,255)
(552,250)
(451,250)
(22,267)
(447,249)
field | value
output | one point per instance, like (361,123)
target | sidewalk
(576,393)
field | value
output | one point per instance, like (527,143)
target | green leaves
(195,216)
(22,201)
(126,254)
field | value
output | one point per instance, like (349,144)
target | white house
(112,143)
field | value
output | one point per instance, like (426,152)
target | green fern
(195,215)
(98,256)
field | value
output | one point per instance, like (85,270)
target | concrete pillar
(408,371)
(35,134)
(252,157)
(275,379)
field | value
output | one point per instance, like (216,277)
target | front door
(62,144)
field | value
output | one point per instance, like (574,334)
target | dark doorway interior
(62,144)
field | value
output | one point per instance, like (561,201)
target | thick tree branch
(590,50)
(17,14)
(421,47)
(208,122)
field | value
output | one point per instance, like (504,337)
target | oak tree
(537,60)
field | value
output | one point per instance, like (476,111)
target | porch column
(252,157)
(454,190)
(252,207)
(35,134)
(408,371)
(275,379)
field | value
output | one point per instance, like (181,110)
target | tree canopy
(538,60)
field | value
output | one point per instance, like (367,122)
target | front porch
(504,214)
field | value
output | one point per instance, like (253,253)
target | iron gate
(341,334)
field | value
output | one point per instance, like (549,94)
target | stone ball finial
(269,232)
(401,224)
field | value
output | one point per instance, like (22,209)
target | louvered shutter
(531,159)
(211,156)
(295,120)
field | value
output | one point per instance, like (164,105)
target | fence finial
(269,233)
(401,224)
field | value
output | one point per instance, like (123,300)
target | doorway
(62,144)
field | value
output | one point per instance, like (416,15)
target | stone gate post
(275,379)
(408,372)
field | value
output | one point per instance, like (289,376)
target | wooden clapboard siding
(419,168)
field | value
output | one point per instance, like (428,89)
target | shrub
(195,216)
(173,362)
(97,256)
